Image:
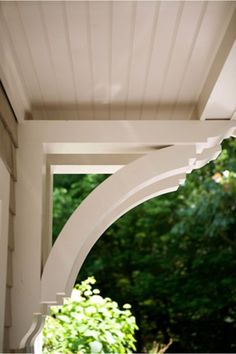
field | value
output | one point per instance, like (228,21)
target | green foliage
(69,191)
(173,258)
(89,323)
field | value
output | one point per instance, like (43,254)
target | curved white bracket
(154,174)
(101,208)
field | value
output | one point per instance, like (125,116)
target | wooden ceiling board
(22,54)
(161,56)
(114,59)
(34,31)
(57,39)
(144,23)
(100,29)
(123,17)
(214,24)
(80,44)
(181,55)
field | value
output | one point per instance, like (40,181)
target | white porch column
(28,234)
(4,221)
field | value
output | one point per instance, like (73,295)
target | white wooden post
(28,235)
(4,221)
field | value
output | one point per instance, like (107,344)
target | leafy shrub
(89,323)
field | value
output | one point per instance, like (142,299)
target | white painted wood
(110,194)
(178,91)
(7,117)
(105,61)
(110,60)
(99,14)
(144,25)
(218,97)
(99,207)
(56,33)
(86,164)
(22,55)
(96,137)
(4,222)
(123,16)
(80,44)
(157,188)
(38,345)
(157,172)
(184,42)
(161,56)
(217,67)
(105,204)
(9,73)
(28,236)
(222,100)
(31,19)
(209,37)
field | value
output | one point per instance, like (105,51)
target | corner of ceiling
(10,76)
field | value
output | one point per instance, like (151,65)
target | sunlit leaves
(89,323)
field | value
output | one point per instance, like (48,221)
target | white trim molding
(4,222)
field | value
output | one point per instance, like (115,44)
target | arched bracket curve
(154,174)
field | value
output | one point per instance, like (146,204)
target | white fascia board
(104,137)
(222,100)
(218,96)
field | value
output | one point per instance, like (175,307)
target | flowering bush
(89,323)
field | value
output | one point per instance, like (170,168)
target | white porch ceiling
(113,59)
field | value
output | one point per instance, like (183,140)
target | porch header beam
(111,137)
